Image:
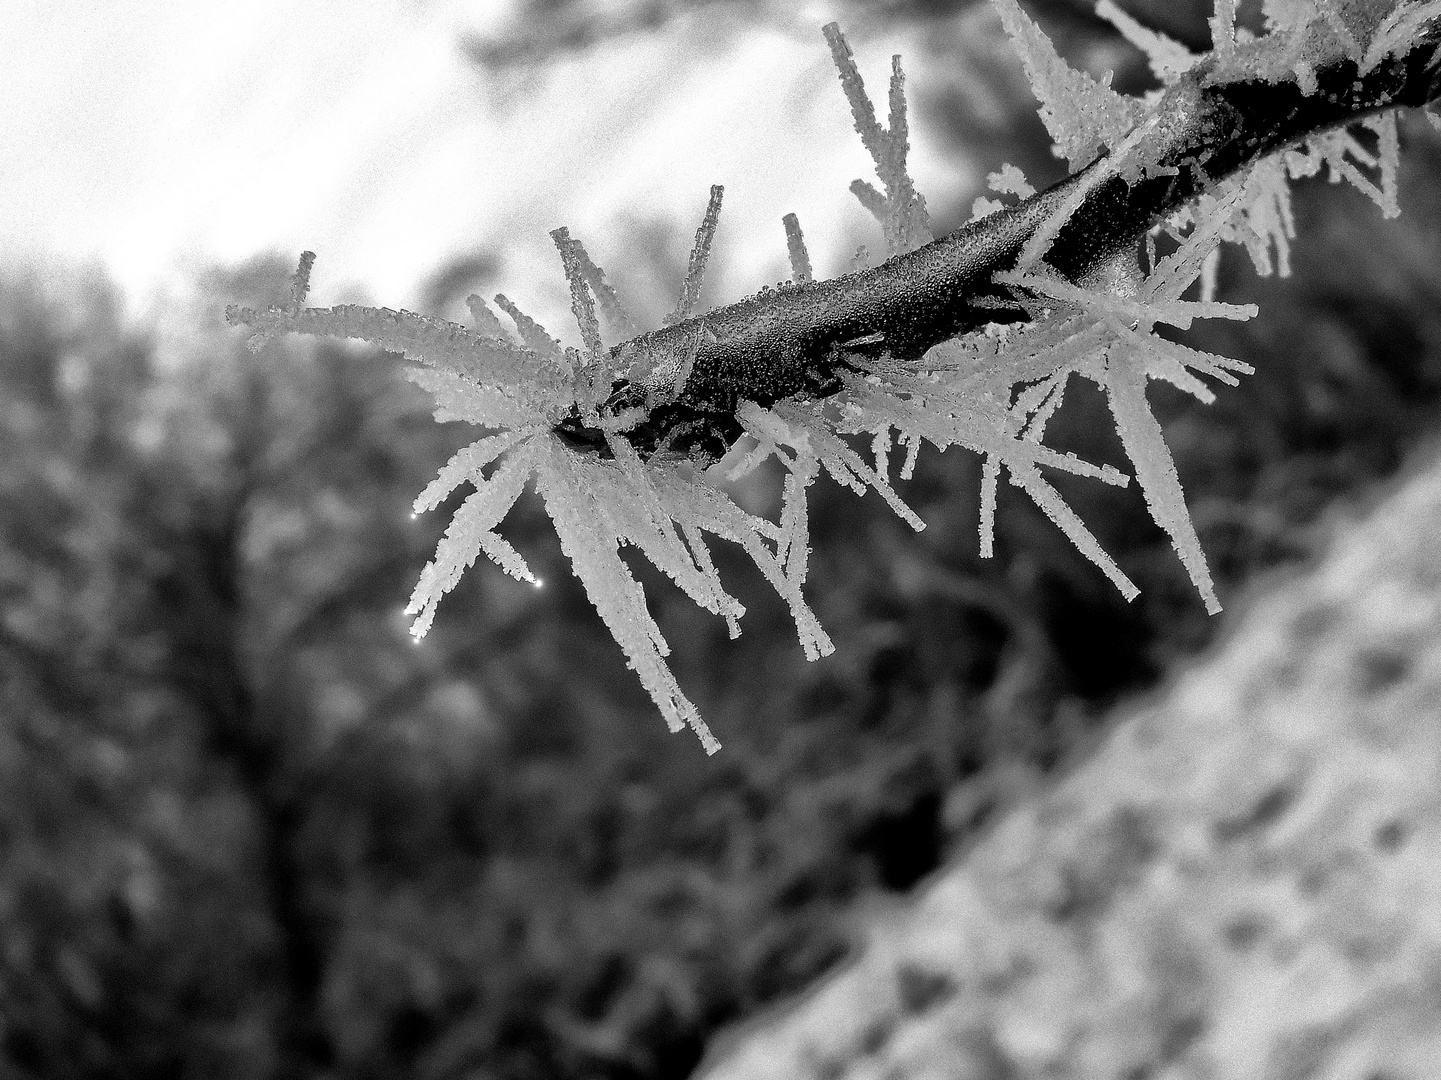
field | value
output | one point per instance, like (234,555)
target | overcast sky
(158,136)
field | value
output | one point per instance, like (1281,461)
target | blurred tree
(136,937)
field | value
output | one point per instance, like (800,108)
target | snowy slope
(1243,882)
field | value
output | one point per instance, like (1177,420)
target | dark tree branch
(800,339)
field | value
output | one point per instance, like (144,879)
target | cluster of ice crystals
(993,394)
(518,392)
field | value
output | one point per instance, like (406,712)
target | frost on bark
(971,340)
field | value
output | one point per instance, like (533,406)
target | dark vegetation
(249,829)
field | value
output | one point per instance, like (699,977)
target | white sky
(159,136)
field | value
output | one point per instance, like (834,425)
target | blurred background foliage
(248,828)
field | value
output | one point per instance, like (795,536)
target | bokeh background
(248,828)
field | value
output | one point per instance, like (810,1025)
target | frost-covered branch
(1225,113)
(968,341)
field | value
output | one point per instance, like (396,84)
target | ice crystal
(901,210)
(1398,28)
(1168,59)
(1344,157)
(1009,181)
(1223,29)
(992,392)
(700,254)
(796,249)
(1083,116)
